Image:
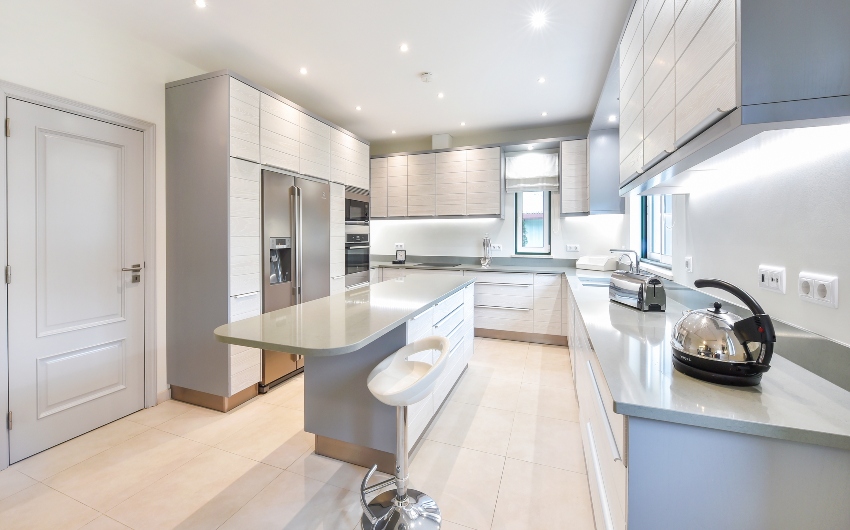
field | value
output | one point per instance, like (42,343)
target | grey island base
(344,336)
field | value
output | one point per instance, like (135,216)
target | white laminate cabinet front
(574,183)
(244,227)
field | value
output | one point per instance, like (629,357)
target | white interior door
(76,320)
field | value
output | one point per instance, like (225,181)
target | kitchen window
(657,230)
(533,231)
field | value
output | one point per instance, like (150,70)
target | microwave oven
(356,208)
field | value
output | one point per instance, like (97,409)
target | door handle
(135,268)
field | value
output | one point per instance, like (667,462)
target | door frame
(148,129)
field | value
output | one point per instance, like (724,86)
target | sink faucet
(636,262)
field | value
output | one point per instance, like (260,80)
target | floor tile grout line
(502,475)
(73,499)
(547,466)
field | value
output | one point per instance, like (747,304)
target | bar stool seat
(400,382)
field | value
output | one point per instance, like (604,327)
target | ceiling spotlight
(440,95)
(530,147)
(538,19)
(463,124)
(357,107)
(544,114)
(393,131)
(303,71)
(541,80)
(201,3)
(426,77)
(403,48)
(612,118)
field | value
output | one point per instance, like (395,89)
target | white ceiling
(484,55)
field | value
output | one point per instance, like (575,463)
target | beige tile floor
(504,453)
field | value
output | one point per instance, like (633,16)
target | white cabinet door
(245,258)
(337,231)
(315,147)
(378,193)
(397,186)
(244,121)
(421,185)
(574,192)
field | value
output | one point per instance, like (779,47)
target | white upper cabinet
(244,121)
(349,161)
(574,183)
(378,193)
(678,73)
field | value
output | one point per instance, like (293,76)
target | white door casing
(76,321)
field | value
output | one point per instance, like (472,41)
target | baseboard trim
(212,401)
(165,395)
(537,338)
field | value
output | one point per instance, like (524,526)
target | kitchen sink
(594,282)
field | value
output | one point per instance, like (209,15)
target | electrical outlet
(399,246)
(689,264)
(573,248)
(818,289)
(772,278)
(496,247)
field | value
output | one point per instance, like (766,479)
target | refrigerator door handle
(295,208)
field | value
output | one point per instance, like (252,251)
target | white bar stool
(400,383)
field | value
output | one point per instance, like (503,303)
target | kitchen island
(344,336)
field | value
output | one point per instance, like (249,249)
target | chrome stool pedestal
(399,382)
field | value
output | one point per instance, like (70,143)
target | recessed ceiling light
(201,3)
(357,107)
(541,80)
(463,124)
(403,48)
(538,19)
(303,71)
(530,147)
(612,118)
(393,131)
(440,95)
(544,114)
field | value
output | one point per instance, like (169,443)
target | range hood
(793,73)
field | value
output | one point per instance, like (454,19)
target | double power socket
(815,288)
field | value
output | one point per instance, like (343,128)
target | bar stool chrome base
(417,512)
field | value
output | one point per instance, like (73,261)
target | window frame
(653,258)
(547,224)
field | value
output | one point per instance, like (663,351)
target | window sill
(664,272)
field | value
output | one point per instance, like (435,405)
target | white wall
(789,208)
(463,237)
(57,47)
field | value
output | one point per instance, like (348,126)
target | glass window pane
(532,219)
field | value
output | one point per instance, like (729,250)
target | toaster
(641,291)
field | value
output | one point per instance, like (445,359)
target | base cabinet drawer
(245,378)
(420,326)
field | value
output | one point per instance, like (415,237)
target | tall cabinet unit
(221,132)
(678,75)
(574,184)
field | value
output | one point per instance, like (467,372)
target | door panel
(316,216)
(76,325)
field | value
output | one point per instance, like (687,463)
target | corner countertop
(542,268)
(343,322)
(634,351)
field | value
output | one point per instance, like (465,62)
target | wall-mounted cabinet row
(678,73)
(268,131)
(447,183)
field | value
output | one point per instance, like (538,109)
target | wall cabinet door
(378,193)
(574,192)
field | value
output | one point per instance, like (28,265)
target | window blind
(531,172)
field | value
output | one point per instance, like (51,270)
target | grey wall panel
(793,50)
(603,171)
(338,403)
(197,169)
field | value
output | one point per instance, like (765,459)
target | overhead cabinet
(678,74)
(574,182)
(452,183)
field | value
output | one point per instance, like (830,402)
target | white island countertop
(634,352)
(344,322)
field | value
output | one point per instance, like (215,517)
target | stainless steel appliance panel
(316,239)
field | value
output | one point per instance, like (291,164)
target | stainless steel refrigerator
(296,261)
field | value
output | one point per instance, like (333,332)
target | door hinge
(8,127)
(9,420)
(8,274)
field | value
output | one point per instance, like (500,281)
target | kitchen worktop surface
(344,322)
(634,352)
(542,268)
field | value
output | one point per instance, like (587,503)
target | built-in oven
(356,208)
(356,255)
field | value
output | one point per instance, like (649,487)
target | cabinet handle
(243,295)
(658,158)
(500,307)
(700,127)
(499,283)
(609,431)
(603,496)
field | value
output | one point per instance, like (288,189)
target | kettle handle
(739,293)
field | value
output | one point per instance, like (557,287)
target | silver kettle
(721,347)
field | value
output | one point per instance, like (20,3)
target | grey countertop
(633,349)
(542,268)
(344,322)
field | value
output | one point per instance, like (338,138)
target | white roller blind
(531,172)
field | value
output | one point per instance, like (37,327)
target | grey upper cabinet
(450,183)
